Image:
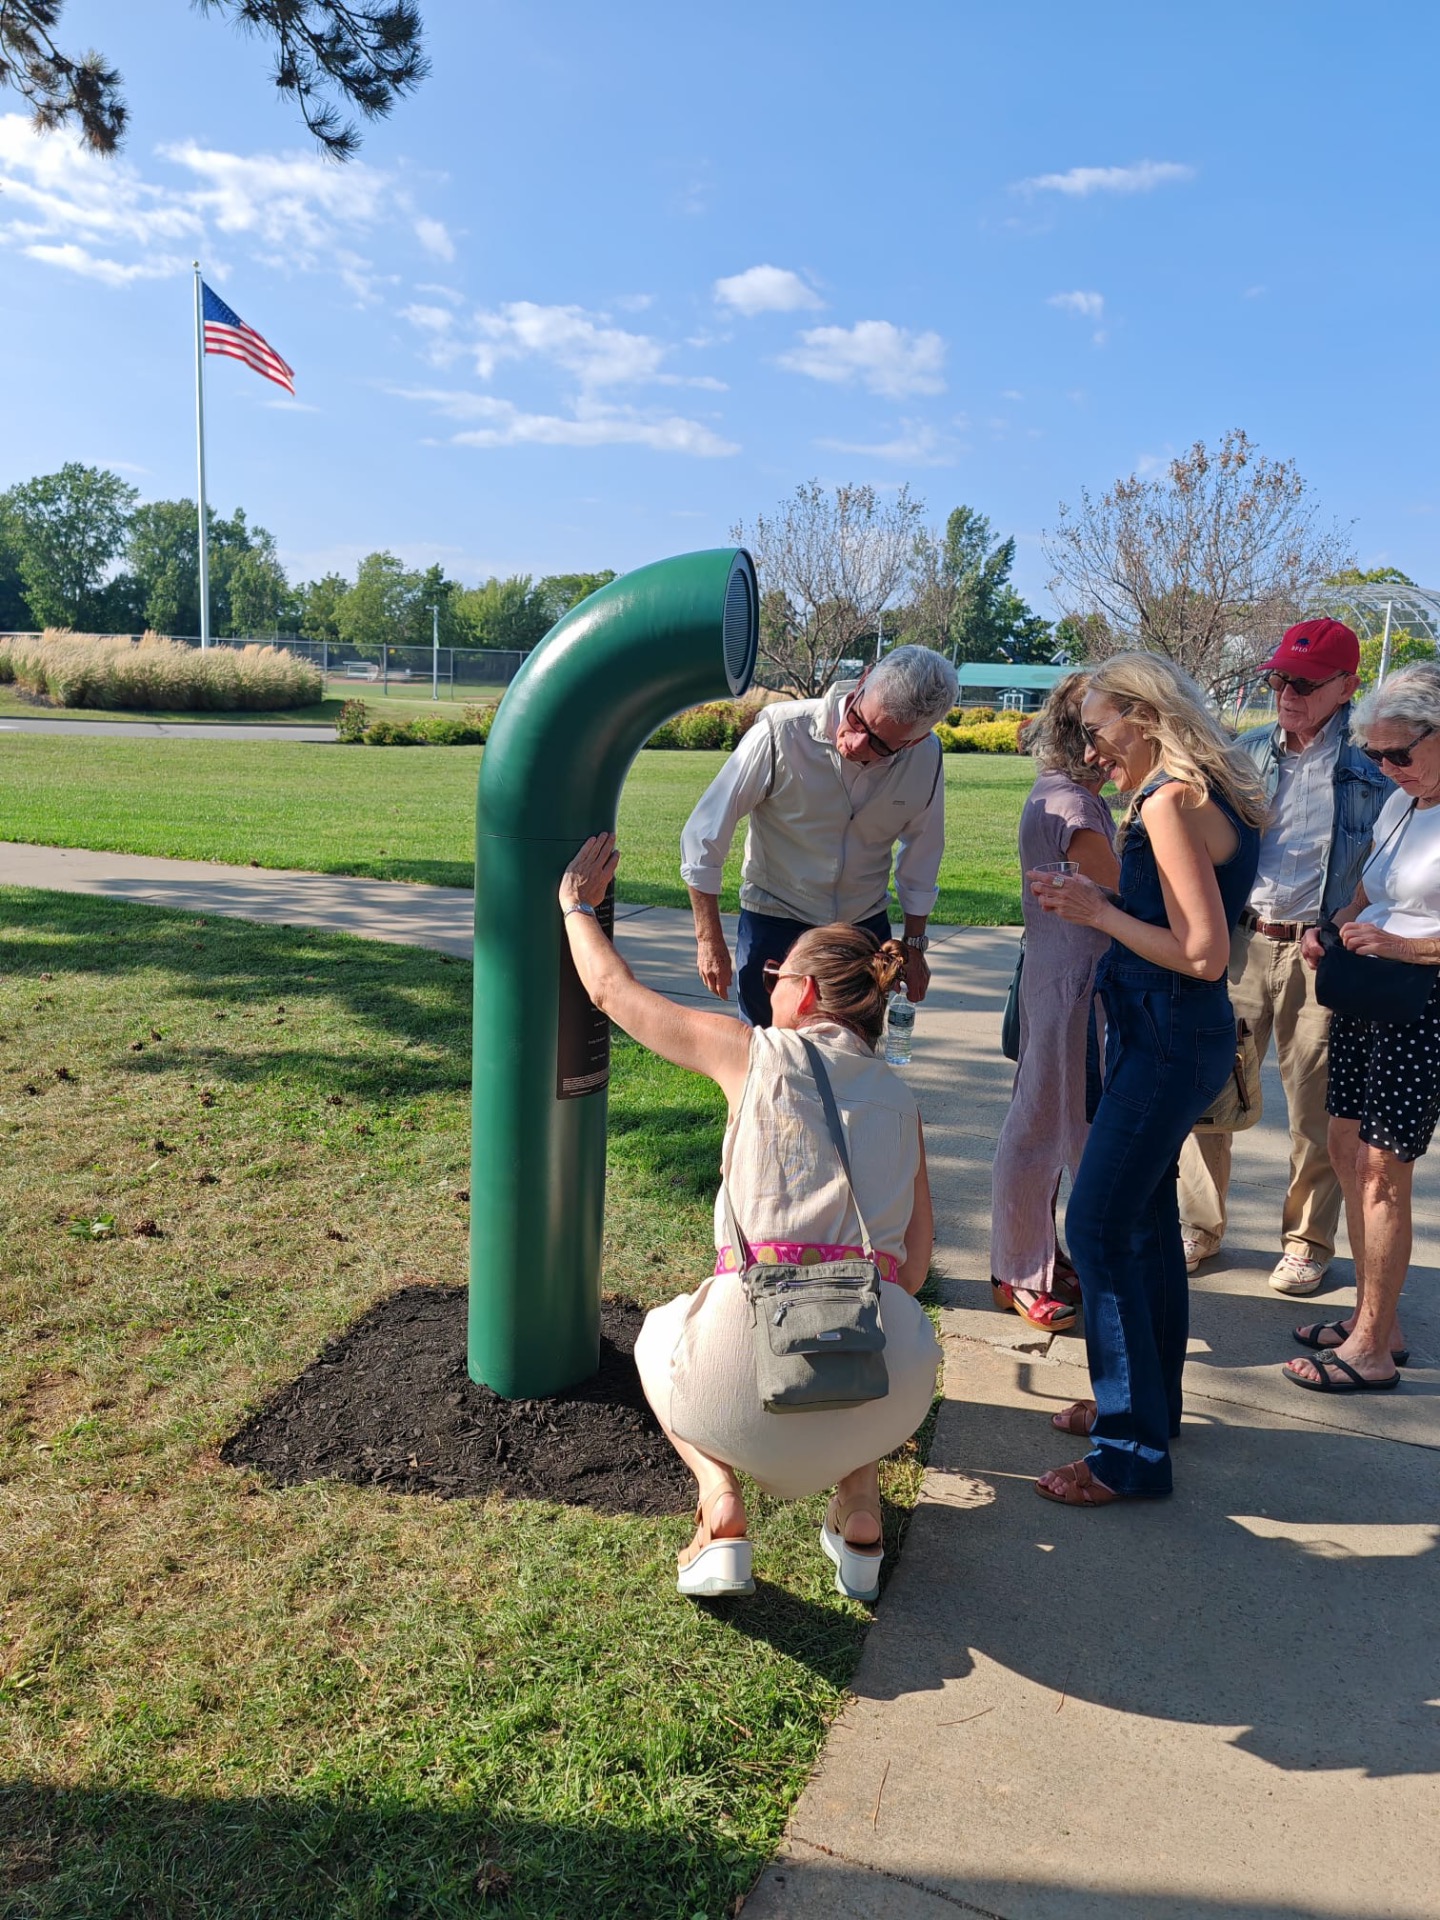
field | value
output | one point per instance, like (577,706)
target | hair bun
(888,965)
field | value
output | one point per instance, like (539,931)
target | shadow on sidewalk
(1288,1591)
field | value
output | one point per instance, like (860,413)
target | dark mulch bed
(389,1404)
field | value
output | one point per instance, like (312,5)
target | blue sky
(616,278)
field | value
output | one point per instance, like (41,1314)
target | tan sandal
(857,1568)
(711,1568)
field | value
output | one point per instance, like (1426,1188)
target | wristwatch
(917,942)
(580,906)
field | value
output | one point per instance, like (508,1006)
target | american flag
(227,333)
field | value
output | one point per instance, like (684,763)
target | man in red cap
(1324,798)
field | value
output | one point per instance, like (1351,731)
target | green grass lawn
(407,813)
(404,706)
(227,1701)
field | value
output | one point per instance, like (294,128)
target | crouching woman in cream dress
(791,1202)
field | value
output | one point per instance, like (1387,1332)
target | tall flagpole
(200,451)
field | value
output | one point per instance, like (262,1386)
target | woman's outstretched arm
(710,1043)
(920,1234)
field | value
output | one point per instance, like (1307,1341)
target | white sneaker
(1297,1273)
(1198,1246)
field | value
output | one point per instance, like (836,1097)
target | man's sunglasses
(1277,683)
(1397,756)
(881,748)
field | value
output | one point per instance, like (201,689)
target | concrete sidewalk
(167,730)
(1221,1706)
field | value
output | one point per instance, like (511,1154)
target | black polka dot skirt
(1387,1076)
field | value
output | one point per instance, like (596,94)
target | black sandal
(1327,1383)
(1310,1337)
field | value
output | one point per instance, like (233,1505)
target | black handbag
(1368,986)
(1010,1019)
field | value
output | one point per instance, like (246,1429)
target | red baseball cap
(1316,649)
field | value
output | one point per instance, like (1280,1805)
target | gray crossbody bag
(816,1330)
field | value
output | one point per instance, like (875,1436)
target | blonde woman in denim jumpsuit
(1189,846)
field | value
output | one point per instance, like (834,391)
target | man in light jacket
(1324,796)
(832,788)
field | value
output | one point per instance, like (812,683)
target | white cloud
(591,423)
(916,444)
(76,259)
(429,319)
(1089,306)
(766,290)
(289,406)
(111,221)
(580,343)
(1081,182)
(882,357)
(434,238)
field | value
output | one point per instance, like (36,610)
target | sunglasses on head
(1278,682)
(1397,756)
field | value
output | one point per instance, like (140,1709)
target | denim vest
(1361,789)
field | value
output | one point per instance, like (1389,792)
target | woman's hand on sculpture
(587,878)
(1070,895)
(1311,951)
(1360,937)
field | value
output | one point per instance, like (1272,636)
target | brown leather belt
(1273,929)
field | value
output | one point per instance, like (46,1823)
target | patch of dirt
(389,1404)
(54,1402)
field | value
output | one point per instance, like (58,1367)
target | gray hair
(914,686)
(1409,698)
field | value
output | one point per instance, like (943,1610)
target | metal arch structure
(1414,609)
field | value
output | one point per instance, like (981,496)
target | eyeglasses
(881,748)
(1397,756)
(1092,734)
(1278,682)
(770,973)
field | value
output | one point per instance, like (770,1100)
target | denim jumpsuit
(1170,1046)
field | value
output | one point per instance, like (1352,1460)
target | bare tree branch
(829,564)
(1206,564)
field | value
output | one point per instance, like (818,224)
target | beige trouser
(1272,988)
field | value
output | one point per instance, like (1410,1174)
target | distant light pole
(434,653)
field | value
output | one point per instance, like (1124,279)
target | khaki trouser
(1272,988)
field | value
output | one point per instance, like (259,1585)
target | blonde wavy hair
(1054,738)
(1190,744)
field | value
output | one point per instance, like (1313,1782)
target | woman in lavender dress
(1044,1132)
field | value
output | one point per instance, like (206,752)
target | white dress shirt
(823,829)
(1293,847)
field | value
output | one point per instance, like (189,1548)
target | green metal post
(651,643)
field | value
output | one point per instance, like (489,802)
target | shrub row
(156,675)
(999,734)
(718,724)
(468,728)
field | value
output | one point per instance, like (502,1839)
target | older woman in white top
(792,1203)
(1384,1092)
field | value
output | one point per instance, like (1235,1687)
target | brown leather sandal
(1080,1487)
(1078,1419)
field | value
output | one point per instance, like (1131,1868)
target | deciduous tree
(1207,562)
(829,563)
(67,530)
(364,54)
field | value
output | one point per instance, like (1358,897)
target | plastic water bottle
(899,1030)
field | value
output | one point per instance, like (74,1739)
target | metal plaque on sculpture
(582,1042)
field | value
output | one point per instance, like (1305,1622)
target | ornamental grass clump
(156,675)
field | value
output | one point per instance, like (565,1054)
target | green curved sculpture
(651,643)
